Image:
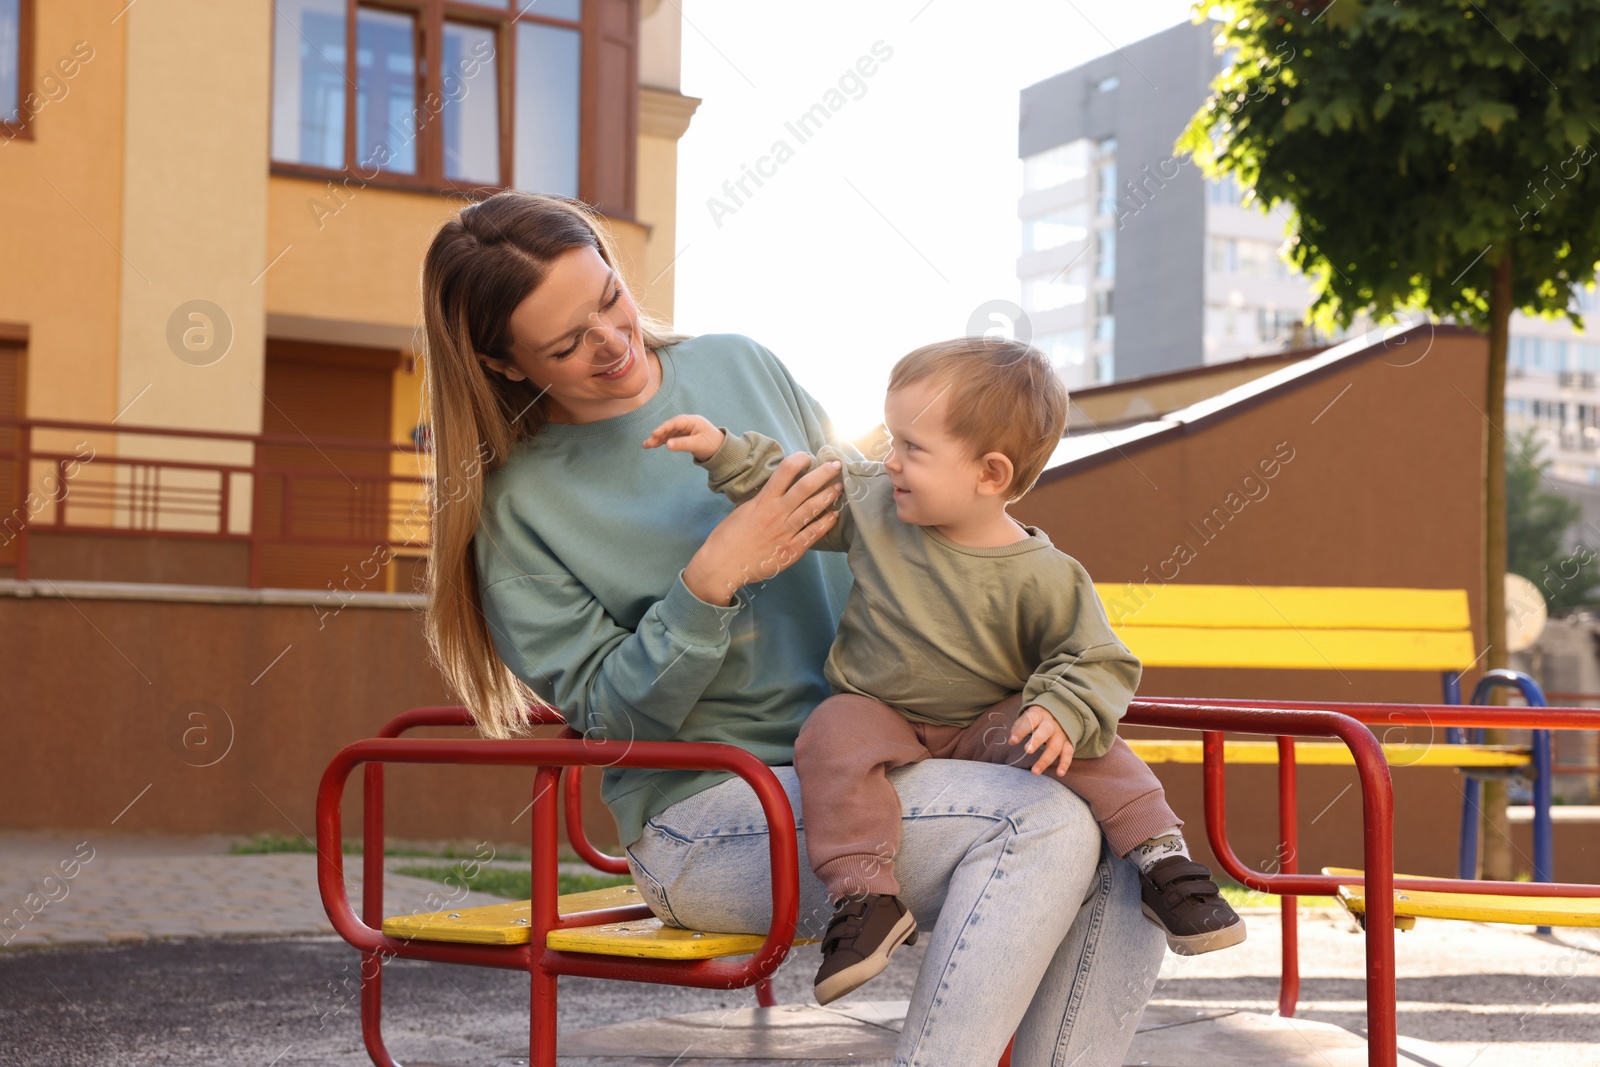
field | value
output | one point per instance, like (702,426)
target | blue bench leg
(1544,838)
(1471,817)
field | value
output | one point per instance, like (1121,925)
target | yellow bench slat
(650,939)
(1325,752)
(507,924)
(1284,606)
(1299,649)
(501,924)
(1473,907)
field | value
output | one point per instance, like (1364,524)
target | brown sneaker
(861,935)
(1181,898)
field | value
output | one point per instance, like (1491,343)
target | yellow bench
(1246,627)
(1292,626)
(507,924)
(1411,905)
(1325,753)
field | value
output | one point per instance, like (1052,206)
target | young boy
(968,636)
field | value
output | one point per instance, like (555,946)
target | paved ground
(164,983)
(132,887)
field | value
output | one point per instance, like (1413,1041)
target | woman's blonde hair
(479,267)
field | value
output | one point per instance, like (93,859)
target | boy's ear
(995,473)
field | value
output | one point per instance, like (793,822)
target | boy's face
(934,475)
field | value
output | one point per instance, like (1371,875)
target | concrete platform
(866,1031)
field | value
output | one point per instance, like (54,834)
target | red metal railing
(1378,835)
(1574,698)
(549,758)
(88,487)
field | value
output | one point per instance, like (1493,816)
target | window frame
(431,16)
(21,129)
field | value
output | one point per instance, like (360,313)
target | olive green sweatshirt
(941,630)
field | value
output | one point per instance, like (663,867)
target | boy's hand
(1045,732)
(693,434)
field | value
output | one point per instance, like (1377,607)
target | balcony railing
(259,490)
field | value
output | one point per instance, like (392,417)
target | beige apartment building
(215,220)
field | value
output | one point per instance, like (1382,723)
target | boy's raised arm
(738,466)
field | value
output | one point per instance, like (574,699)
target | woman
(586,571)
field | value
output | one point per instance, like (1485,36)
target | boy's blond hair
(1004,397)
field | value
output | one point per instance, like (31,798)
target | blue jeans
(1036,928)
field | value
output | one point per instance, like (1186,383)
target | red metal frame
(1197,713)
(550,758)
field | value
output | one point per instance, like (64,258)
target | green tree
(1436,159)
(1537,521)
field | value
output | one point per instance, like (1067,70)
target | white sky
(895,221)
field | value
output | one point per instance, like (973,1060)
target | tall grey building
(1111,218)
(1133,264)
(1114,219)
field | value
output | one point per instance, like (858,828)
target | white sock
(1167,843)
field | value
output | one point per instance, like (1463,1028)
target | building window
(549,63)
(1054,229)
(1107,187)
(1224,191)
(16,62)
(1585,357)
(1105,256)
(1104,367)
(465,94)
(1538,355)
(1224,255)
(1105,323)
(1055,291)
(1274,325)
(1065,349)
(1055,166)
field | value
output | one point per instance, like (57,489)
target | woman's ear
(502,366)
(995,474)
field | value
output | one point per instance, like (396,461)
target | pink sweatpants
(852,813)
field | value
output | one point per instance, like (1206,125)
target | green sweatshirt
(582,541)
(941,630)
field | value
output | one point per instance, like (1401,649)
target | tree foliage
(1417,143)
(1434,157)
(1537,522)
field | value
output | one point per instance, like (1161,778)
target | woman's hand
(768,532)
(693,434)
(1044,730)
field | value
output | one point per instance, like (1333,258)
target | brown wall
(1383,489)
(98,693)
(96,557)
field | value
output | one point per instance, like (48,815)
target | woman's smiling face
(576,338)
